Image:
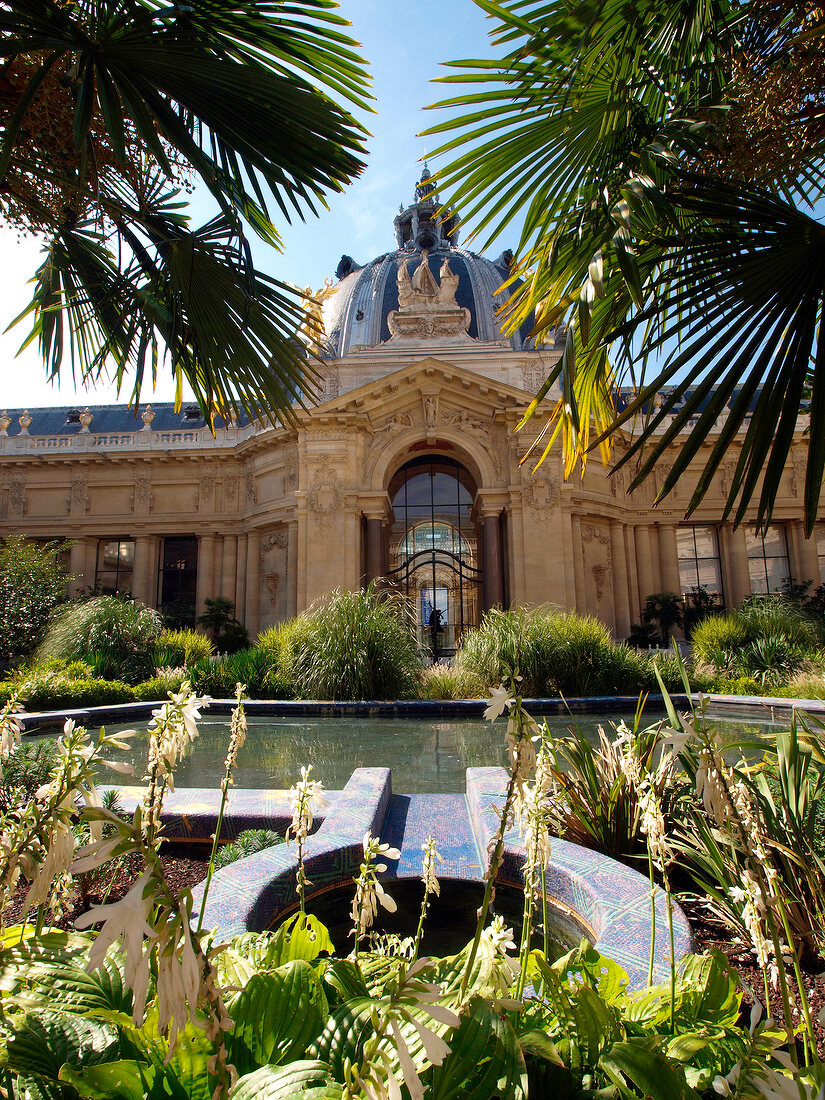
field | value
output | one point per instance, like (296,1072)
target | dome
(356,308)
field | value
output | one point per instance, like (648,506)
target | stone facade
(272,517)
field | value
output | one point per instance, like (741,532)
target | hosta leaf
(30,1087)
(344,1034)
(276,1017)
(644,1066)
(42,1044)
(301,936)
(485,1059)
(607,977)
(306,1079)
(345,978)
(54,966)
(122,1080)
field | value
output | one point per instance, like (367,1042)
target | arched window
(434,548)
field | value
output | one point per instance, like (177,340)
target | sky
(405,44)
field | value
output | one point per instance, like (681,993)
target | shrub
(445,682)
(218,676)
(245,844)
(779,616)
(116,635)
(32,581)
(180,648)
(24,771)
(355,645)
(55,683)
(719,636)
(554,652)
(740,685)
(158,687)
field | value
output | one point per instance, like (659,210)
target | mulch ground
(186,865)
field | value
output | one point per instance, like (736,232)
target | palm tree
(660,153)
(109,108)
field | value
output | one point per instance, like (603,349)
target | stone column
(375,548)
(737,561)
(90,566)
(648,581)
(229,568)
(493,580)
(252,621)
(292,569)
(805,555)
(206,572)
(140,570)
(669,563)
(240,579)
(621,594)
(78,556)
(580,603)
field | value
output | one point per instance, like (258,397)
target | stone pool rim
(423,709)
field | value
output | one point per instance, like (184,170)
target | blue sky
(404,44)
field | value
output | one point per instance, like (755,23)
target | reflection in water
(426,756)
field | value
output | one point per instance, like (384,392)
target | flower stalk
(237,736)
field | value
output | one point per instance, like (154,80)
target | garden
(106,649)
(151,1004)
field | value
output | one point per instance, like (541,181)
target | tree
(33,581)
(660,152)
(108,109)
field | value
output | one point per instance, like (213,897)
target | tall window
(768,564)
(179,580)
(819,534)
(115,559)
(434,548)
(699,563)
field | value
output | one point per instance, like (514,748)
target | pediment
(406,387)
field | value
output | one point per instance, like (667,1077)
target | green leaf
(126,1078)
(276,1017)
(643,1065)
(485,1059)
(41,1044)
(309,1080)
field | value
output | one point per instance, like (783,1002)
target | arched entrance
(433,549)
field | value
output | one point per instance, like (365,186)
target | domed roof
(356,308)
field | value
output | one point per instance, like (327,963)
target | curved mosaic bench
(603,900)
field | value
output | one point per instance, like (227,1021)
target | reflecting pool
(427,755)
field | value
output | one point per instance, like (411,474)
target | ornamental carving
(289,478)
(273,583)
(595,534)
(430,404)
(662,473)
(278,539)
(542,493)
(329,384)
(800,465)
(427,307)
(602,579)
(79,499)
(18,502)
(398,422)
(251,491)
(726,472)
(206,490)
(324,498)
(470,425)
(231,488)
(143,497)
(532,377)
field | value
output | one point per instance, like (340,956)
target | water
(426,755)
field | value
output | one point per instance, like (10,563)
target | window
(179,580)
(699,563)
(768,560)
(819,534)
(115,559)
